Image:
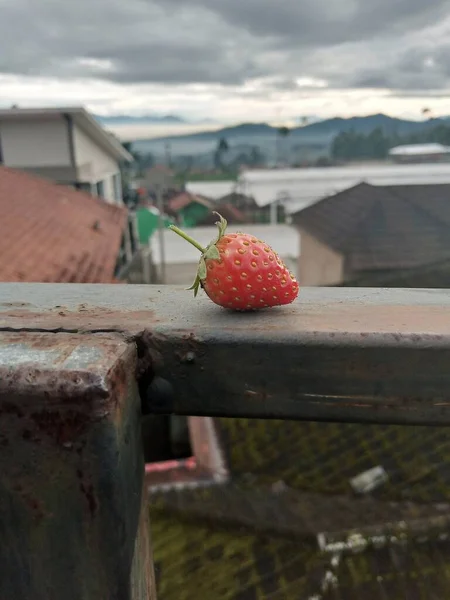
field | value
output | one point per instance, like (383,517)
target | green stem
(187,238)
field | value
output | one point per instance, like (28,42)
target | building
(212,189)
(252,211)
(230,193)
(232,214)
(377,235)
(65,145)
(157,178)
(147,218)
(53,233)
(181,258)
(417,153)
(188,209)
(298,188)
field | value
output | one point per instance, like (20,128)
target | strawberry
(240,272)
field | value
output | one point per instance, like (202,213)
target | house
(181,258)
(418,153)
(377,235)
(269,509)
(259,208)
(252,212)
(298,188)
(53,233)
(158,176)
(67,146)
(233,215)
(189,209)
(147,218)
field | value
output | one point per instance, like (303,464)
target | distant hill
(367,124)
(130,120)
(319,128)
(313,139)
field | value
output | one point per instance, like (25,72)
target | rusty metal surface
(71,469)
(143,583)
(336,354)
(319,312)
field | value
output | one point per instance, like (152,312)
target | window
(84,186)
(100,189)
(117,186)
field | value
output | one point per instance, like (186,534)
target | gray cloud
(322,22)
(352,43)
(417,68)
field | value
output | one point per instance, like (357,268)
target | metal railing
(78,365)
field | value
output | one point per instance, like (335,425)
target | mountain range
(389,125)
(312,139)
(144,119)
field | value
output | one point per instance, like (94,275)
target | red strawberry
(240,272)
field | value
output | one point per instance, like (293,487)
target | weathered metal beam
(337,354)
(73,512)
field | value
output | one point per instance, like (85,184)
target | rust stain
(63,427)
(62,387)
(87,489)
(14,304)
(84,319)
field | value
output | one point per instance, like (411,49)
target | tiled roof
(229,212)
(52,233)
(383,227)
(185,198)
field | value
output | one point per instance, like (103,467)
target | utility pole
(162,253)
(168,150)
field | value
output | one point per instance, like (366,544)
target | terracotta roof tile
(48,234)
(185,198)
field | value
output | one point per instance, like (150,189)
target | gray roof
(390,227)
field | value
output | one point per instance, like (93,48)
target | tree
(282,134)
(221,150)
(256,157)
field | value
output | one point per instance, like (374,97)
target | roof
(389,227)
(81,117)
(232,214)
(52,233)
(282,238)
(419,149)
(259,534)
(183,199)
(298,188)
(211,189)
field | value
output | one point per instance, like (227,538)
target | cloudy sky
(228,60)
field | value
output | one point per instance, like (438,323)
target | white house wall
(94,164)
(35,143)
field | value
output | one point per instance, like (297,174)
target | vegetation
(352,145)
